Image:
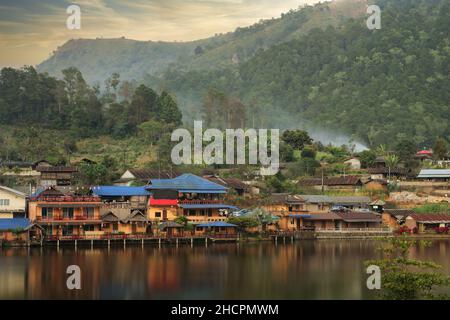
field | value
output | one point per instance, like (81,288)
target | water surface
(320,269)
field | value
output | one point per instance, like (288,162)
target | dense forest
(381,86)
(46,113)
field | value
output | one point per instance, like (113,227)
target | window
(47,213)
(4,202)
(209,212)
(68,213)
(157,214)
(88,227)
(90,212)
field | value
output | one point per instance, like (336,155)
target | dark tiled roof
(331,181)
(385,170)
(437,218)
(399,212)
(351,200)
(355,216)
(57,169)
(325,216)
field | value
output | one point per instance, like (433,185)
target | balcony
(76,199)
(74,218)
(200,201)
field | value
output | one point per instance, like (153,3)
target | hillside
(97,59)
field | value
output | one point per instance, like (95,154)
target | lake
(309,269)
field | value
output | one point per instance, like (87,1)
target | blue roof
(297,216)
(119,191)
(13,224)
(187,183)
(216,224)
(207,206)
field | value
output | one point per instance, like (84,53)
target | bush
(403,230)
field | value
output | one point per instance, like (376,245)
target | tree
(404,278)
(392,160)
(143,106)
(405,149)
(297,139)
(151,131)
(244,222)
(168,111)
(367,158)
(440,149)
(308,152)
(182,220)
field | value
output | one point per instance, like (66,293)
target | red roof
(427,152)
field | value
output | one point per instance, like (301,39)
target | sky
(31,29)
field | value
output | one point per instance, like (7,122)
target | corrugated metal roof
(325,216)
(349,200)
(187,183)
(316,198)
(354,216)
(13,224)
(431,218)
(434,173)
(119,191)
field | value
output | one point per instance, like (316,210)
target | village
(148,206)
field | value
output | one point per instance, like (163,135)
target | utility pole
(322,182)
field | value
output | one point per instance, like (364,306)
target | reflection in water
(305,270)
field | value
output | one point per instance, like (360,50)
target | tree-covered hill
(380,86)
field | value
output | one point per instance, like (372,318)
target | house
(196,198)
(239,187)
(324,221)
(122,196)
(434,174)
(171,229)
(387,173)
(12,203)
(55,175)
(216,229)
(353,163)
(395,218)
(346,183)
(19,230)
(380,162)
(359,220)
(62,214)
(125,222)
(423,155)
(377,206)
(427,223)
(143,176)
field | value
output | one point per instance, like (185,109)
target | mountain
(97,59)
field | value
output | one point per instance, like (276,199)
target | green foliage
(308,152)
(367,158)
(440,148)
(433,208)
(404,278)
(405,149)
(245,222)
(297,139)
(182,220)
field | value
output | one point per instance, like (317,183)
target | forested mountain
(380,86)
(97,59)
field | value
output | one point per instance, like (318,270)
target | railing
(67,199)
(133,237)
(62,218)
(353,229)
(199,202)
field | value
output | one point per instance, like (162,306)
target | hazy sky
(31,29)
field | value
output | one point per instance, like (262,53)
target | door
(164,215)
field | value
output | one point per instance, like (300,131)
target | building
(353,163)
(387,173)
(427,223)
(359,220)
(376,185)
(134,198)
(19,230)
(62,214)
(143,176)
(395,218)
(125,222)
(434,174)
(12,203)
(217,229)
(345,183)
(236,185)
(324,221)
(55,175)
(423,155)
(196,198)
